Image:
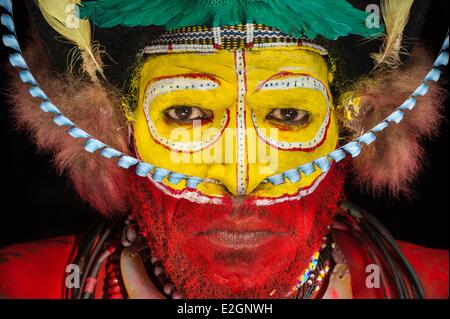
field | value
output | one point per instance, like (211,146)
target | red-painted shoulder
(431,266)
(36,269)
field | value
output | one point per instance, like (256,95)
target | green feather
(330,19)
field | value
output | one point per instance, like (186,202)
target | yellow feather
(61,15)
(395,16)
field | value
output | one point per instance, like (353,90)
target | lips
(239,239)
(245,230)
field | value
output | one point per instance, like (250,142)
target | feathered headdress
(62,16)
(330,19)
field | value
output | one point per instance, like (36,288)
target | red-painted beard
(202,253)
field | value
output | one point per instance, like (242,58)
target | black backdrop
(37,204)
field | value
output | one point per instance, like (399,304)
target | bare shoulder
(35,269)
(431,265)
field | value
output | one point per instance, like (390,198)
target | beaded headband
(211,39)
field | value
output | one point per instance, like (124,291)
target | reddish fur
(393,161)
(94,109)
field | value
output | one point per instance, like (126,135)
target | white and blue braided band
(143,169)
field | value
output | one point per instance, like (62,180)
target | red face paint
(236,249)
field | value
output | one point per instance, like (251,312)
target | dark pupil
(288,114)
(183,112)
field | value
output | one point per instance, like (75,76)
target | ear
(393,161)
(330,77)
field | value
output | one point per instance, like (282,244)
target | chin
(235,249)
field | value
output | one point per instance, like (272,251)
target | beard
(177,233)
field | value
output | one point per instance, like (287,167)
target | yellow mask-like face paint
(236,117)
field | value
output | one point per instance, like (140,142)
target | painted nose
(243,174)
(249,162)
(237,182)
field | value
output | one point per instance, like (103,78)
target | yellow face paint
(264,112)
(349,106)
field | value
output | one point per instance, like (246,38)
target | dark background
(36,203)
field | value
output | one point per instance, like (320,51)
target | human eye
(184,114)
(289,117)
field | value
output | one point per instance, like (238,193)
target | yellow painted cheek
(311,101)
(189,132)
(201,163)
(261,102)
(289,160)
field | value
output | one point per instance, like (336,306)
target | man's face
(235,118)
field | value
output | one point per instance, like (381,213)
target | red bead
(114,290)
(113,282)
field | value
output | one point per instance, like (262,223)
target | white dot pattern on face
(177,84)
(291,83)
(240,122)
(300,194)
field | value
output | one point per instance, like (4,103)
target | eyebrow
(168,84)
(191,81)
(289,80)
(185,76)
